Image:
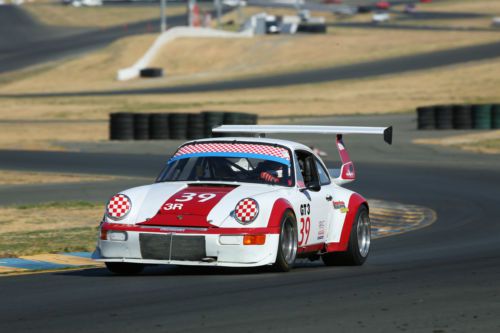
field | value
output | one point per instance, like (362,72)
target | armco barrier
(175,126)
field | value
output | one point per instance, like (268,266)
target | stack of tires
(174,126)
(495,116)
(481,116)
(462,116)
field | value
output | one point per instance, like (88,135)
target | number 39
(305,227)
(190,196)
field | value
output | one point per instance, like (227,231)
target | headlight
(118,207)
(246,211)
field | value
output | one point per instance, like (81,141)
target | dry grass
(50,216)
(42,136)
(488,7)
(53,13)
(230,58)
(18,177)
(485,142)
(49,227)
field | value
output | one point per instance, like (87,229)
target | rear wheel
(359,243)
(124,268)
(287,247)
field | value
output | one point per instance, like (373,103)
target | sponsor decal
(321,231)
(340,205)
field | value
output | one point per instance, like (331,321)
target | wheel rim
(288,242)
(364,234)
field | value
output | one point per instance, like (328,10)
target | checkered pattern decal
(246,210)
(236,148)
(118,206)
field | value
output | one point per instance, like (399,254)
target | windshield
(247,163)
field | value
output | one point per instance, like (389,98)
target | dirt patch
(485,142)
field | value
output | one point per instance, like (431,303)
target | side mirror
(314,186)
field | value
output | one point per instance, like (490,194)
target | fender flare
(280,206)
(355,201)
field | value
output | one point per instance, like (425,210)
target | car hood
(190,204)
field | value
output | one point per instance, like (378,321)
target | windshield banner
(242,150)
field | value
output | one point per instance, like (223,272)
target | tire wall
(173,126)
(458,116)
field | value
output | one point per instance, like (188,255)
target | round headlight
(246,211)
(118,207)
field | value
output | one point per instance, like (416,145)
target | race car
(241,202)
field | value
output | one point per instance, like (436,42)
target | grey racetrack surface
(443,278)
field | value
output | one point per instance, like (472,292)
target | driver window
(324,178)
(307,166)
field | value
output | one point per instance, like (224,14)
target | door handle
(329,197)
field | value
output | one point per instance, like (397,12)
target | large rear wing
(347,173)
(262,130)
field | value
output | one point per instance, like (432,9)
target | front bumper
(219,247)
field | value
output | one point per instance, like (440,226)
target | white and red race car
(241,202)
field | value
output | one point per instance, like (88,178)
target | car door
(314,203)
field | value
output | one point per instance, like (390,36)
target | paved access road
(443,278)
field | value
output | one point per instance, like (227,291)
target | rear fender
(355,201)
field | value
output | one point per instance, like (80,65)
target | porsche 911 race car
(241,202)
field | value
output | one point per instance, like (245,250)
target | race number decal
(305,224)
(202,197)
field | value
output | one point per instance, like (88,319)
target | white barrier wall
(170,35)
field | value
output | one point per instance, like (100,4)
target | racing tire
(359,243)
(124,268)
(288,243)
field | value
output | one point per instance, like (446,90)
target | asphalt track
(389,66)
(443,278)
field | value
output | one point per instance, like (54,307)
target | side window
(324,179)
(307,167)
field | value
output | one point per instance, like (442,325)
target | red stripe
(311,248)
(189,207)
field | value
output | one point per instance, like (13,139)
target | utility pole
(163,16)
(218,7)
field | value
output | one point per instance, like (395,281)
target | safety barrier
(459,116)
(174,126)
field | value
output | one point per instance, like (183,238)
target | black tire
(141,126)
(462,117)
(353,256)
(287,246)
(212,119)
(151,72)
(178,126)
(124,268)
(121,126)
(444,117)
(158,126)
(426,119)
(196,126)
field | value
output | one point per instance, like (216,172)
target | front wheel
(124,268)
(287,247)
(359,243)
